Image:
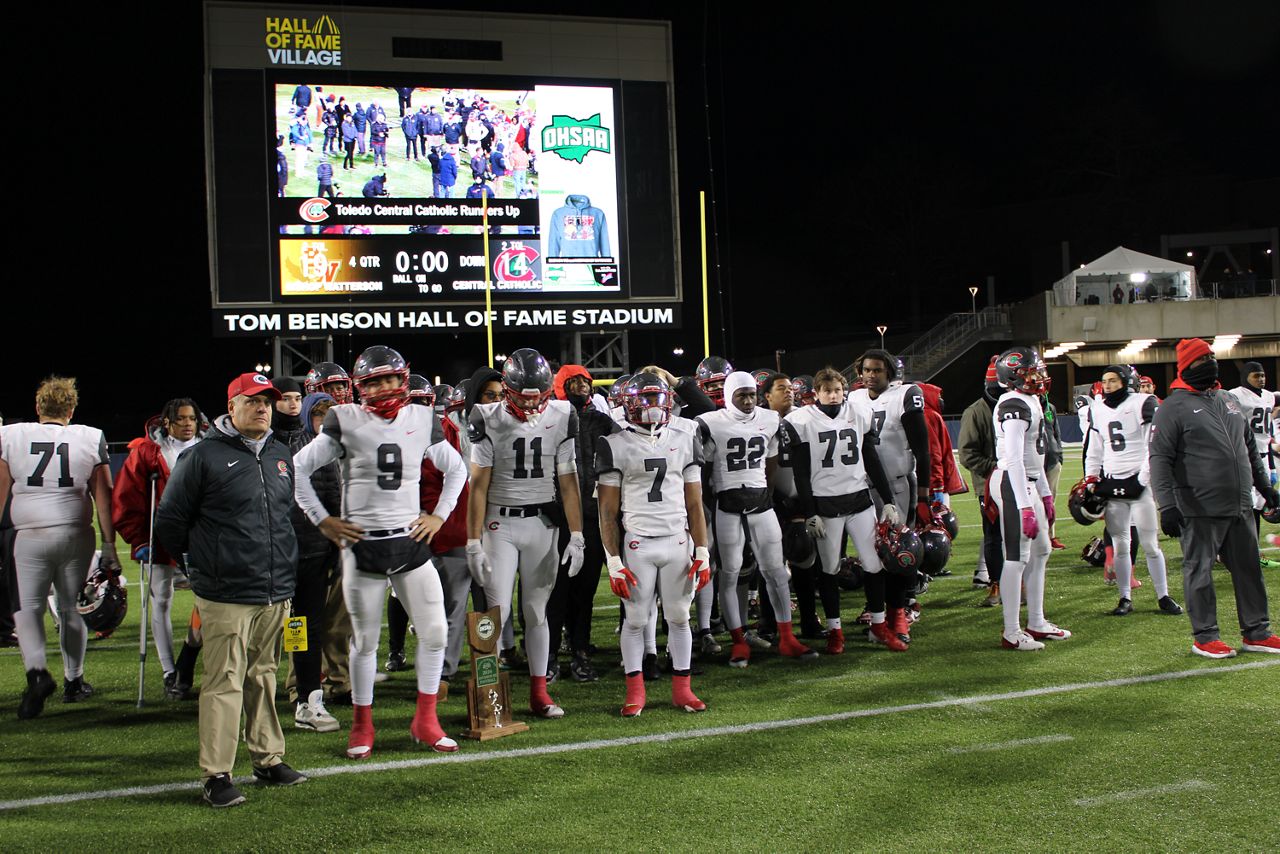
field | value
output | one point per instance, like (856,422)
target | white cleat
(1049,632)
(1022,643)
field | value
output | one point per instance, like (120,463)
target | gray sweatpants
(1204,538)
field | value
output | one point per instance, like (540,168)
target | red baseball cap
(252,385)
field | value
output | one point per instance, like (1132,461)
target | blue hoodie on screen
(578,230)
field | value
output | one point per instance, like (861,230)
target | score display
(385,194)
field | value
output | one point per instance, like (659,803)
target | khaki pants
(241,652)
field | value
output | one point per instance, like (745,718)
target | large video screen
(388,193)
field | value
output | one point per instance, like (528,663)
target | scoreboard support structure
(293,357)
(601,353)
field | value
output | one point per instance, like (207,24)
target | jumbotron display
(384,194)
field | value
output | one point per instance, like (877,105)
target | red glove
(1050,512)
(924,513)
(700,569)
(1091,481)
(621,579)
(1030,527)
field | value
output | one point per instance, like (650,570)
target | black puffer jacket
(326,480)
(592,423)
(227,511)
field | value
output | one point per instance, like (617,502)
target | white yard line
(1133,794)
(1009,745)
(472,756)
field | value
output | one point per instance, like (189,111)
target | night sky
(867,169)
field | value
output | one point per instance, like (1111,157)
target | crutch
(146,589)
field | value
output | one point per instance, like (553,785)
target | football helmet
(1021,369)
(1271,515)
(420,390)
(900,549)
(946,518)
(798,546)
(1095,552)
(457,400)
(442,393)
(710,376)
(1086,506)
(646,401)
(102,602)
(615,390)
(802,390)
(331,379)
(937,550)
(526,378)
(375,363)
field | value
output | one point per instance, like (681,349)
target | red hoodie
(944,476)
(131,496)
(564,374)
(453,533)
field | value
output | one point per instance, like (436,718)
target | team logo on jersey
(283,468)
(493,526)
(634,545)
(484,628)
(574,139)
(313,210)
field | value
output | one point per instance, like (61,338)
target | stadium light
(882,330)
(973,299)
(263,369)
(678,351)
(1059,349)
(1136,346)
(1191,254)
(1137,278)
(1223,343)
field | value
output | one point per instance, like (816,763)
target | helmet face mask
(373,369)
(710,376)
(329,378)
(526,380)
(102,602)
(646,401)
(1085,506)
(420,391)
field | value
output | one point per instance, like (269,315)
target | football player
(710,375)
(1117,469)
(740,444)
(59,474)
(1258,405)
(834,458)
(902,443)
(521,448)
(652,472)
(154,455)
(1022,495)
(330,379)
(382,531)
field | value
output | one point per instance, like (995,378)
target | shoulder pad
(331,426)
(475,425)
(1149,407)
(912,398)
(571,425)
(1013,409)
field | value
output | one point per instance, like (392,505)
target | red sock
(739,634)
(538,695)
(682,695)
(635,694)
(784,631)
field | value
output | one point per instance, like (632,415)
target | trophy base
(490,733)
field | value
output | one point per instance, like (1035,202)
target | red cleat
(635,695)
(792,648)
(540,702)
(1057,543)
(881,633)
(835,642)
(360,741)
(899,624)
(682,696)
(740,653)
(426,728)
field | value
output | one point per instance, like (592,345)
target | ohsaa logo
(313,210)
(573,139)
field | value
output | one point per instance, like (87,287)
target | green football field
(1117,739)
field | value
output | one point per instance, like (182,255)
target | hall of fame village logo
(303,41)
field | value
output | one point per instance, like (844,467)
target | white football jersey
(652,475)
(737,450)
(1011,406)
(1117,447)
(886,425)
(381,464)
(51,465)
(525,456)
(834,446)
(1258,407)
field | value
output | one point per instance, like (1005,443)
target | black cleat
(1124,609)
(582,670)
(396,662)
(75,690)
(39,686)
(1168,606)
(220,792)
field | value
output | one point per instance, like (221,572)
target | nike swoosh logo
(675,449)
(229,465)
(410,432)
(1197,410)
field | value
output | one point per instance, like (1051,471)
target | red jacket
(131,497)
(453,534)
(944,476)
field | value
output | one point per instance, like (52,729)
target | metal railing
(950,339)
(1238,289)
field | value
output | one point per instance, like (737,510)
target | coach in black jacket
(226,511)
(1203,462)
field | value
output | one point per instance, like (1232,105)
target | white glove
(478,563)
(816,526)
(574,553)
(890,513)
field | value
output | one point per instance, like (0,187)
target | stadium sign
(235,322)
(303,41)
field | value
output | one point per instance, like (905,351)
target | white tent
(1131,271)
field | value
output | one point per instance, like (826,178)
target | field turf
(1117,739)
